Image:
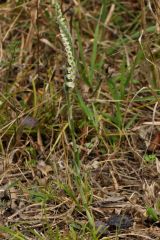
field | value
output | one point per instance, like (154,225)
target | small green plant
(149,158)
(151,212)
(39,196)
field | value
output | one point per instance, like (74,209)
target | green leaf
(152,214)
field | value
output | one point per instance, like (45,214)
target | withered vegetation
(113,190)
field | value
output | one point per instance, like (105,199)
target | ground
(80,164)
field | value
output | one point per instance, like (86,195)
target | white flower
(67,42)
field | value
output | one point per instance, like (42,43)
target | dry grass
(44,192)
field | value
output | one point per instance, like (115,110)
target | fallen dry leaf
(155,143)
(158,165)
(29,122)
(44,168)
